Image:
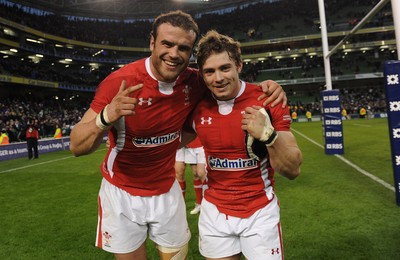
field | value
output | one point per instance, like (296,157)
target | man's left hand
(274,92)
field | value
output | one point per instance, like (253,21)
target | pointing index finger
(133,88)
(122,86)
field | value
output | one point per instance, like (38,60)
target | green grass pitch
(48,207)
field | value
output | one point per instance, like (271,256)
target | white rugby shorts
(180,155)
(125,220)
(258,237)
(191,155)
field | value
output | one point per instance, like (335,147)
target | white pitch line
(360,170)
(36,164)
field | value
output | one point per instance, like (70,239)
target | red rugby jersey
(237,185)
(142,155)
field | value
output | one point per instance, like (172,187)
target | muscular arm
(187,137)
(285,156)
(86,136)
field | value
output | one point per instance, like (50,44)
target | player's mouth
(222,86)
(171,64)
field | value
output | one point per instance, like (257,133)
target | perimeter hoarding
(18,150)
(392,86)
(332,122)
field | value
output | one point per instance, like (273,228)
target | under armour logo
(275,251)
(142,101)
(208,121)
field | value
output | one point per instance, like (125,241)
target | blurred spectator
(32,137)
(58,133)
(4,137)
(294,116)
(309,116)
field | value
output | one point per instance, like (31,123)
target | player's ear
(239,66)
(152,42)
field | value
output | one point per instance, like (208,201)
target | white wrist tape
(102,120)
(256,148)
(269,135)
(105,114)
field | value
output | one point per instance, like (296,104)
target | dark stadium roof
(129,9)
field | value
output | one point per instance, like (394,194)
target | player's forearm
(86,138)
(285,156)
(288,164)
(186,138)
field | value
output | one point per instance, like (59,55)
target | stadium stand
(46,55)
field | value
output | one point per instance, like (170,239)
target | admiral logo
(223,164)
(156,140)
(397,160)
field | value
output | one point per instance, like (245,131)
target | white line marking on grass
(36,164)
(373,177)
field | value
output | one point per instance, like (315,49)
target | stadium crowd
(250,22)
(16,113)
(352,100)
(32,70)
(265,23)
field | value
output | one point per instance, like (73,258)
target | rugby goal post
(391,81)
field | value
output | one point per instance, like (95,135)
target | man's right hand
(122,104)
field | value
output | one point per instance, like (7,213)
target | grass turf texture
(48,207)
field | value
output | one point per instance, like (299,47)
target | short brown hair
(214,42)
(177,19)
